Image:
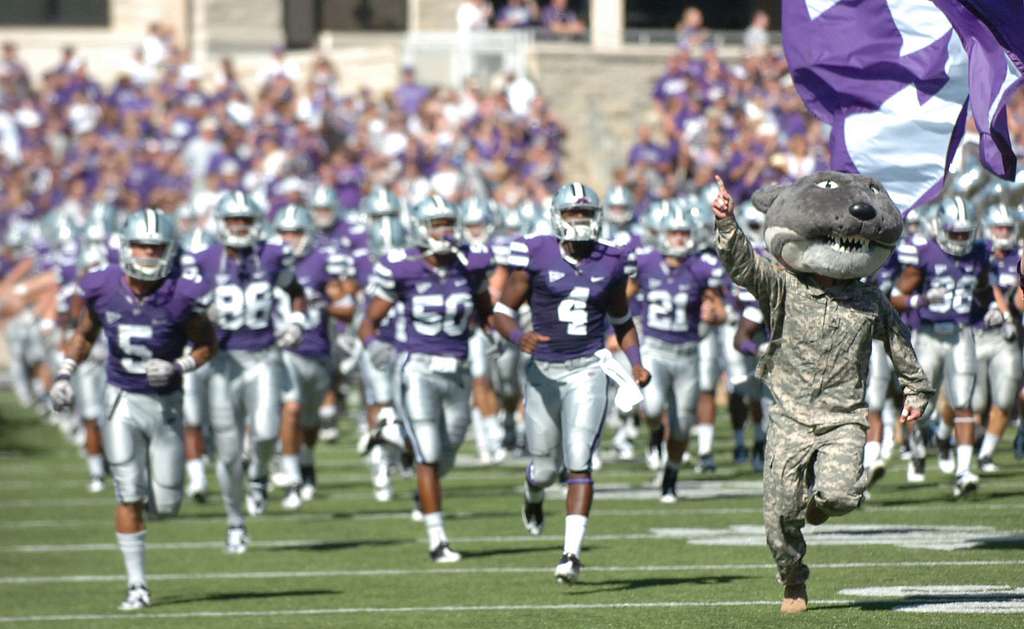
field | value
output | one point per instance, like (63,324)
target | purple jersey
(243,290)
(438,302)
(956,278)
(1004,275)
(138,329)
(569,299)
(388,330)
(314,272)
(672,296)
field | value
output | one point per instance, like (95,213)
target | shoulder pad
(711,259)
(918,240)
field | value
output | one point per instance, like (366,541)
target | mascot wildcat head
(833,224)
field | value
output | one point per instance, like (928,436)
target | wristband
(516,336)
(749,347)
(67,367)
(633,354)
(185,364)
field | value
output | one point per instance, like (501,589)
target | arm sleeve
(518,255)
(896,337)
(745,267)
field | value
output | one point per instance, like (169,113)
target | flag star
(816,7)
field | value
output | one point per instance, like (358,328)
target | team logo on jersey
(422,286)
(113,317)
(595,280)
(554,276)
(459,282)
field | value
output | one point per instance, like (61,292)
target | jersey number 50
(432,314)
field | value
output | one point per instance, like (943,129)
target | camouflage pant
(801,465)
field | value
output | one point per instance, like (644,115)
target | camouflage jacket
(816,364)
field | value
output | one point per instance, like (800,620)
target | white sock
(889,413)
(327,413)
(963,458)
(575,529)
(133,549)
(871,451)
(705,437)
(988,445)
(435,529)
(95,463)
(740,438)
(942,432)
(479,431)
(195,468)
(493,431)
(290,466)
(887,442)
(534,495)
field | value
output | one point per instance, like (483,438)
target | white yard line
(440,572)
(395,610)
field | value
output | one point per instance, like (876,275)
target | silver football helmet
(656,211)
(387,233)
(1002,226)
(955,216)
(477,219)
(238,204)
(324,205)
(428,234)
(380,202)
(576,197)
(619,206)
(148,227)
(678,219)
(296,218)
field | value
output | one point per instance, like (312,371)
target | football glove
(62,395)
(159,372)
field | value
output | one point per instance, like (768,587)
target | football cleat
(533,517)
(256,500)
(740,454)
(329,434)
(905,454)
(654,458)
(876,472)
(282,480)
(443,553)
(95,485)
(706,465)
(668,486)
(757,459)
(307,491)
(568,569)
(965,484)
(238,541)
(137,598)
(915,471)
(947,465)
(197,489)
(988,466)
(292,500)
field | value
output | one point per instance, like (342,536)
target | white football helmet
(955,216)
(148,227)
(436,239)
(238,204)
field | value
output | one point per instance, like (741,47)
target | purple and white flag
(896,80)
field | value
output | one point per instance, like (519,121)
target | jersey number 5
(135,354)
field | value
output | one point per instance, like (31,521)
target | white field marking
(924,536)
(398,572)
(396,610)
(945,599)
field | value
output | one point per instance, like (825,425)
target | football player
(247,378)
(441,283)
(148,311)
(680,289)
(941,281)
(322,271)
(999,357)
(575,285)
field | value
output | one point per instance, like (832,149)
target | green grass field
(345,560)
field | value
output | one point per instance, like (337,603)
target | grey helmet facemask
(1003,215)
(955,215)
(424,234)
(238,204)
(678,219)
(296,218)
(325,207)
(576,196)
(148,227)
(477,211)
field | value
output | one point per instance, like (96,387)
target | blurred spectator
(755,38)
(690,31)
(557,18)
(518,14)
(473,15)
(410,94)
